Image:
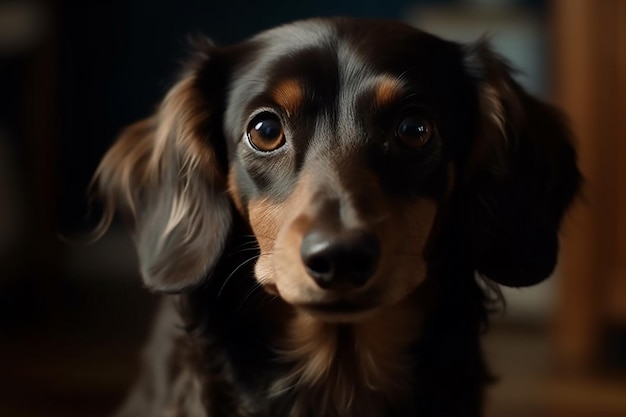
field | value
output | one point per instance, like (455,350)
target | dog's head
(349,146)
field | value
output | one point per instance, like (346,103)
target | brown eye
(414,131)
(265,132)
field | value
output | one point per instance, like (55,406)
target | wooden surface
(590,50)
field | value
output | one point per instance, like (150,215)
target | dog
(326,207)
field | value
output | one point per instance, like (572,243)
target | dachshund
(329,209)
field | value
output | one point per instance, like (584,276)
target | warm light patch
(387,90)
(289,95)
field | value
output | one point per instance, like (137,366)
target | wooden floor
(530,386)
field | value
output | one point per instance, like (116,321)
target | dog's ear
(519,178)
(167,175)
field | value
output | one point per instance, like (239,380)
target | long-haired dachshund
(324,203)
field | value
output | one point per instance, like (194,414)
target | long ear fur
(165,174)
(519,179)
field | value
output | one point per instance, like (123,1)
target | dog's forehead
(339,57)
(287,39)
(377,42)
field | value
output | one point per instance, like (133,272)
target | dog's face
(347,146)
(338,162)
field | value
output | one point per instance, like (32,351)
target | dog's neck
(354,369)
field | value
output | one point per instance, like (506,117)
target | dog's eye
(414,131)
(265,132)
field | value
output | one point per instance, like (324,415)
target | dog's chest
(342,370)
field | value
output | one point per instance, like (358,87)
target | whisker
(242,250)
(219,293)
(243,245)
(247,242)
(257,286)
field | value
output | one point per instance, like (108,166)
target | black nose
(340,260)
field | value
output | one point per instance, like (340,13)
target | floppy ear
(164,172)
(520,177)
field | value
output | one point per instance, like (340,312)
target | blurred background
(73,73)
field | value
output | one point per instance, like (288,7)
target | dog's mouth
(338,311)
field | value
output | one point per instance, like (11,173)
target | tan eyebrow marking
(289,95)
(386,90)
